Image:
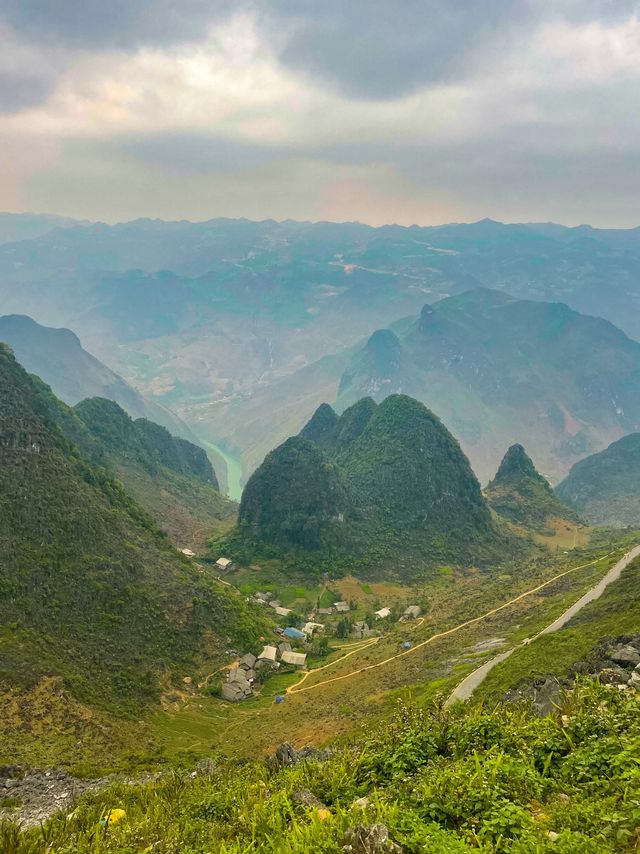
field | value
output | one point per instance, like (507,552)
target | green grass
(441,781)
(616,612)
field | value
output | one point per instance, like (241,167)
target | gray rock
(634,682)
(614,676)
(306,798)
(369,839)
(205,768)
(286,754)
(625,655)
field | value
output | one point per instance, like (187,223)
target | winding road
(465,689)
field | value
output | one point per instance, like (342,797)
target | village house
(411,613)
(224,564)
(282,612)
(188,553)
(361,630)
(268,655)
(294,634)
(341,607)
(298,659)
(310,627)
(382,613)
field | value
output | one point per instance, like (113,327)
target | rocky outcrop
(369,839)
(614,661)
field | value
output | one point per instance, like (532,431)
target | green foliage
(296,499)
(490,780)
(383,480)
(605,486)
(522,495)
(90,588)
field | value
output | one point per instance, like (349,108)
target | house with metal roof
(298,659)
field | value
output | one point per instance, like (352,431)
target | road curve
(465,689)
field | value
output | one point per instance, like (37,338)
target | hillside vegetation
(605,487)
(90,589)
(522,495)
(58,358)
(494,780)
(171,478)
(378,479)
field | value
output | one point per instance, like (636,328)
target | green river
(234,470)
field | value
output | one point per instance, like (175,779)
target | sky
(407,111)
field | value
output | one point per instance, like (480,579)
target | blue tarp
(296,634)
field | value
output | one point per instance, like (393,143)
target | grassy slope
(90,589)
(189,511)
(171,478)
(617,612)
(489,781)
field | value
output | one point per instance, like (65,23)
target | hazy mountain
(203,317)
(57,356)
(27,226)
(500,370)
(519,493)
(605,487)
(171,478)
(91,590)
(378,483)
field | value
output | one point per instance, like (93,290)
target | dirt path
(465,689)
(298,687)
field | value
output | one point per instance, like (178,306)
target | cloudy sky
(402,111)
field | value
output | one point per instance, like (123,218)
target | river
(234,470)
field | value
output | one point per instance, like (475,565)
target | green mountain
(522,495)
(377,483)
(57,356)
(605,487)
(296,499)
(91,592)
(171,478)
(496,368)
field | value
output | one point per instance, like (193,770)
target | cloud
(121,24)
(420,109)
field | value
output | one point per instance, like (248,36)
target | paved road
(465,689)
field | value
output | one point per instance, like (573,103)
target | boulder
(369,839)
(614,676)
(286,754)
(625,655)
(306,798)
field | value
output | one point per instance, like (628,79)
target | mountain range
(384,486)
(91,591)
(605,487)
(205,317)
(496,369)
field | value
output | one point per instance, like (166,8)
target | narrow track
(473,680)
(298,687)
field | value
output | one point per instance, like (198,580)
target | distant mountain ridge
(498,369)
(205,317)
(605,487)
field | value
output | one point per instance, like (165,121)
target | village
(301,635)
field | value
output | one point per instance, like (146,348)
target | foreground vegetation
(442,781)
